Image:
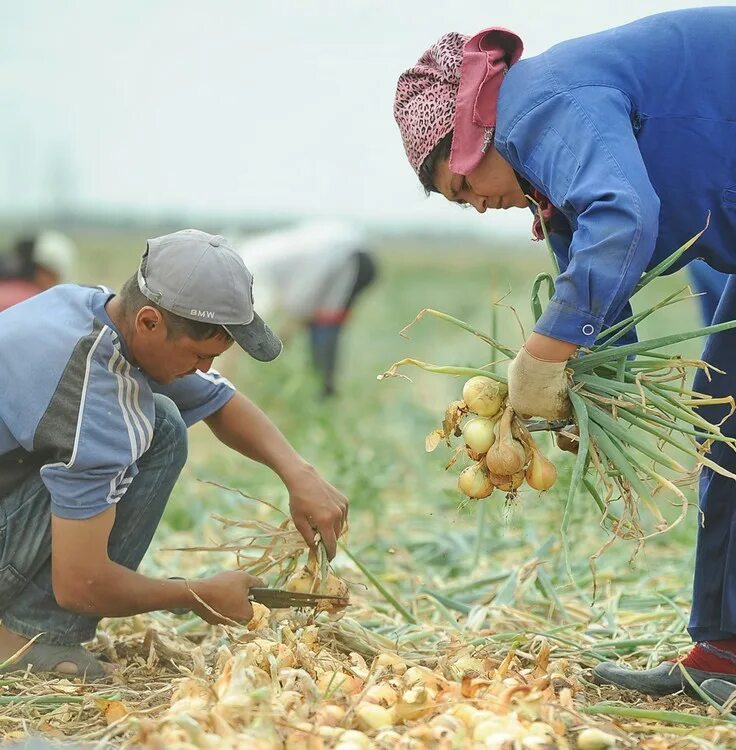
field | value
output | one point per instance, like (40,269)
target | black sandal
(45,657)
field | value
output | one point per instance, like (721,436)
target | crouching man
(97,392)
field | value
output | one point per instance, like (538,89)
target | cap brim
(257,339)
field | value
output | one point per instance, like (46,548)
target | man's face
(165,358)
(492,184)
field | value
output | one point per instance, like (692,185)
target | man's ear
(149,319)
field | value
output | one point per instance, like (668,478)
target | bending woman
(626,140)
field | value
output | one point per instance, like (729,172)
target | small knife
(278,599)
(282,599)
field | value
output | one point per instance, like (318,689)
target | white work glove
(537,387)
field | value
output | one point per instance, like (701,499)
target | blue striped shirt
(74,408)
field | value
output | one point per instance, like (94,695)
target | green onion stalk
(639,434)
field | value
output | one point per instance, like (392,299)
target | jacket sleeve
(579,149)
(560,238)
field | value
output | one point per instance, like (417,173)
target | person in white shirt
(310,275)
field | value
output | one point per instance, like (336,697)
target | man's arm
(315,504)
(85,580)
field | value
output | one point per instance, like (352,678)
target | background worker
(35,263)
(310,276)
(625,170)
(94,410)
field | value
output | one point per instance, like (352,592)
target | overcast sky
(247,108)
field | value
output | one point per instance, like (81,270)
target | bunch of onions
(503,452)
(640,433)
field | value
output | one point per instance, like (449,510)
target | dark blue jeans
(27,603)
(713,615)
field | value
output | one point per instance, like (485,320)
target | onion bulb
(506,456)
(595,739)
(479,434)
(484,396)
(305,581)
(541,473)
(508,484)
(475,482)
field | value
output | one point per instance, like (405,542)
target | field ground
(493,589)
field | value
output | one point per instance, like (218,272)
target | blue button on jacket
(631,134)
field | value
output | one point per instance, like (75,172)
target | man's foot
(70,661)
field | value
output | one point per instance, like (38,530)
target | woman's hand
(537,380)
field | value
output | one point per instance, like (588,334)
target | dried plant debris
(462,665)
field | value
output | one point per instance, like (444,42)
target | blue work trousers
(27,603)
(713,615)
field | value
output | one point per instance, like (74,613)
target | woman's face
(492,184)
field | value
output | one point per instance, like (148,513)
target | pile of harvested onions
(282,686)
(638,431)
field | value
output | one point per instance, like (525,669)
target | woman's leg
(713,615)
(709,284)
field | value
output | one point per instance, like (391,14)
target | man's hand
(538,387)
(316,506)
(85,580)
(226,597)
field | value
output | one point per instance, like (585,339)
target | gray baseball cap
(201,277)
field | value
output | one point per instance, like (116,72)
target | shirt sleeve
(197,396)
(579,148)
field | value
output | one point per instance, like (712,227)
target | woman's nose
(478,203)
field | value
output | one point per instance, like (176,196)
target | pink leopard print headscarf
(424,107)
(455,86)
